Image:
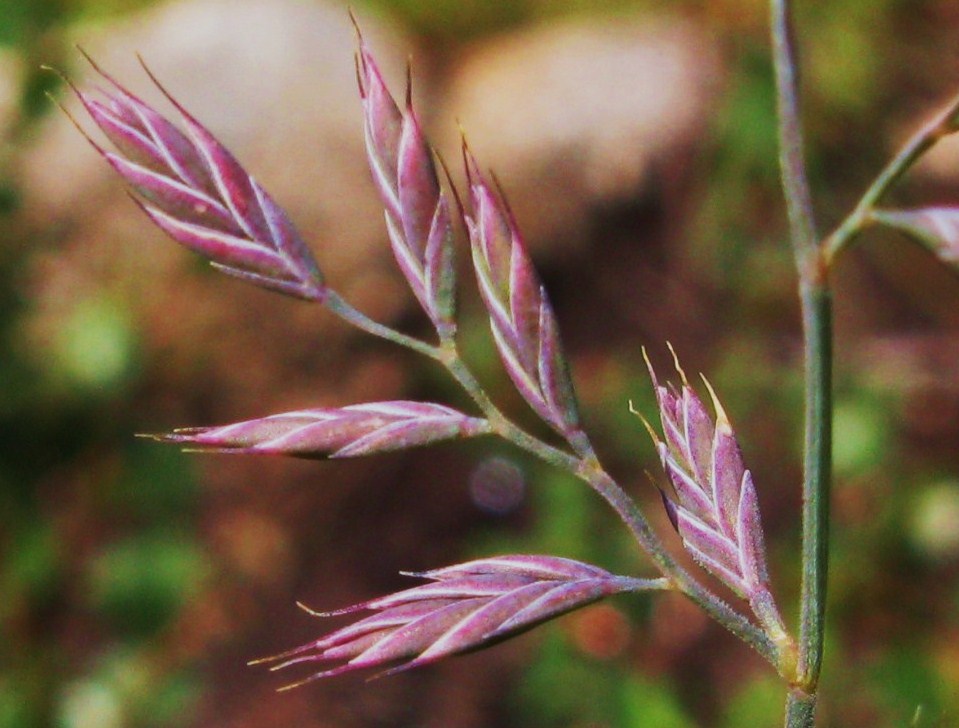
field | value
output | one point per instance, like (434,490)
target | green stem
(817,465)
(813,261)
(800,710)
(345,311)
(802,223)
(817,333)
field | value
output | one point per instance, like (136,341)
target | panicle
(196,191)
(462,608)
(360,429)
(712,502)
(521,318)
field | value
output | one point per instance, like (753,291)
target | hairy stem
(800,710)
(817,333)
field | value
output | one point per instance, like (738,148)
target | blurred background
(636,142)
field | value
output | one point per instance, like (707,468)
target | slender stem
(813,261)
(802,223)
(633,584)
(800,710)
(817,332)
(817,325)
(943,123)
(345,311)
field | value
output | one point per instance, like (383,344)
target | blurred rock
(580,114)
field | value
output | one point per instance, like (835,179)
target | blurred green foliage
(96,557)
(759,702)
(20,23)
(140,584)
(604,694)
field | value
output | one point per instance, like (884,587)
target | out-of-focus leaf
(652,703)
(141,583)
(758,703)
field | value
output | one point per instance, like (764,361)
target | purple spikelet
(417,211)
(522,320)
(195,190)
(713,501)
(360,429)
(464,607)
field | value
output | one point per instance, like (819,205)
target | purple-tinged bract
(195,190)
(417,211)
(935,227)
(521,317)
(712,502)
(462,608)
(360,429)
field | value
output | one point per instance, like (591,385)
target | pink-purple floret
(195,190)
(360,429)
(463,608)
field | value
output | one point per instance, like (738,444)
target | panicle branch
(197,192)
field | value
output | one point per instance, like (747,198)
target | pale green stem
(632,584)
(817,325)
(802,223)
(813,262)
(800,709)
(817,331)
(345,311)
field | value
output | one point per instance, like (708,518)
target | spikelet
(712,503)
(195,190)
(360,429)
(417,211)
(521,317)
(464,607)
